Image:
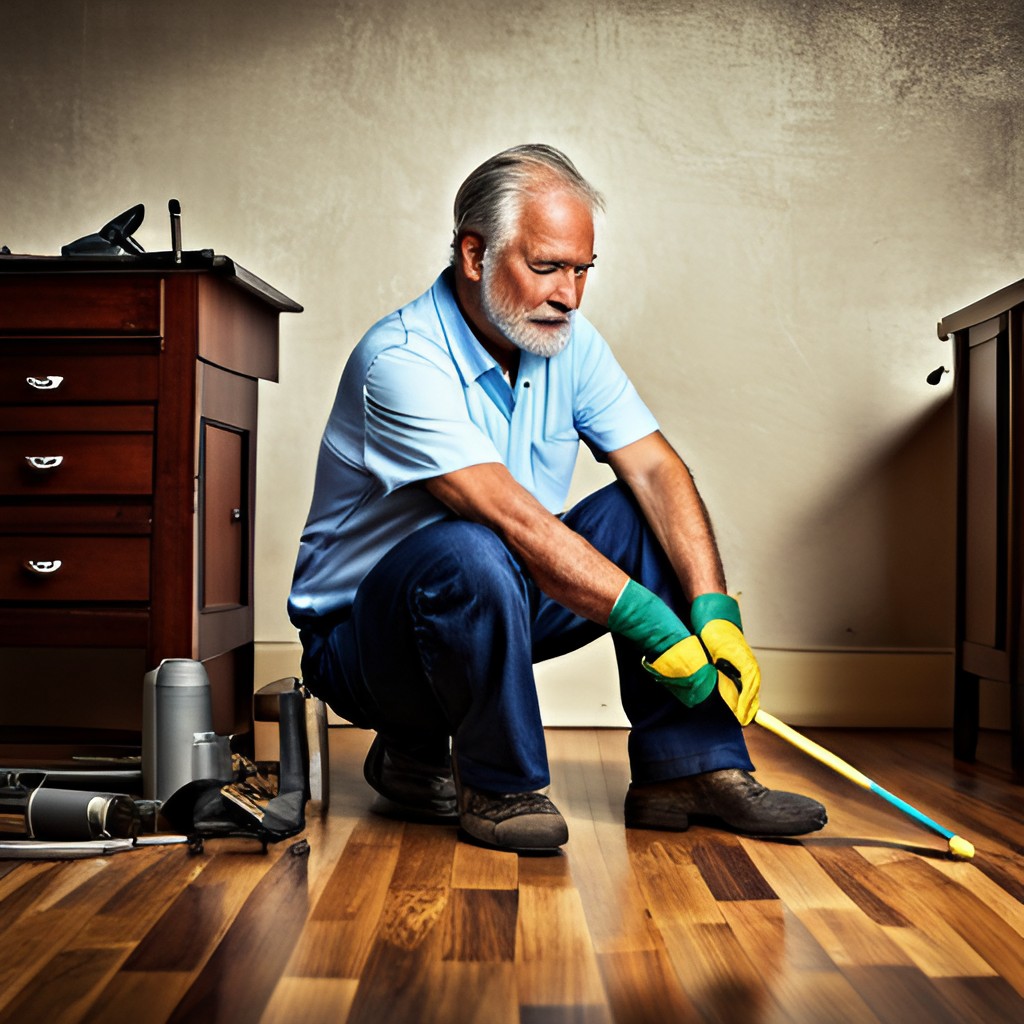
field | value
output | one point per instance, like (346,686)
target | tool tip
(961,848)
(174,206)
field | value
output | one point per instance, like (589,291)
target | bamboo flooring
(383,921)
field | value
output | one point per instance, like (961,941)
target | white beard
(515,323)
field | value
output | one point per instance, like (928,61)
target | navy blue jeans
(443,635)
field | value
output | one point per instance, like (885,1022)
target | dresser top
(203,260)
(984,309)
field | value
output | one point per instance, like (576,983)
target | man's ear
(470,255)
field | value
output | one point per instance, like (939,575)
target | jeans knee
(472,563)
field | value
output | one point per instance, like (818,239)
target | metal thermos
(175,706)
(211,757)
(66,815)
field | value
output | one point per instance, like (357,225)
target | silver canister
(65,815)
(175,706)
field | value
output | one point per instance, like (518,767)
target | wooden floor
(384,922)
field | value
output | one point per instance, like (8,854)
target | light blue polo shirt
(420,397)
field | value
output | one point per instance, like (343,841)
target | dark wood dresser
(128,405)
(988,340)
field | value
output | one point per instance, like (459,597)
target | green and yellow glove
(674,657)
(716,619)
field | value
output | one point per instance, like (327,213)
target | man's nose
(566,295)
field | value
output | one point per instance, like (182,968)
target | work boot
(512,821)
(411,789)
(730,798)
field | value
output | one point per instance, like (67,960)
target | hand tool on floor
(959,847)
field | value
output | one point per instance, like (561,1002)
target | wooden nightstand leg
(965,716)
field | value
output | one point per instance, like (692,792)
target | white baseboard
(840,688)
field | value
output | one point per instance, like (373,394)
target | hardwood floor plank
(718,976)
(337,938)
(852,939)
(80,876)
(311,1001)
(1005,871)
(22,888)
(801,978)
(941,905)
(122,997)
(849,936)
(981,1000)
(412,916)
(238,979)
(555,960)
(474,867)
(29,943)
(846,867)
(795,875)
(399,985)
(774,938)
(818,997)
(600,865)
(941,952)
(370,857)
(189,929)
(71,981)
(975,879)
(425,858)
(643,988)
(902,995)
(133,907)
(672,885)
(728,871)
(480,925)
(564,1015)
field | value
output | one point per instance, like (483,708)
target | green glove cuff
(714,606)
(644,618)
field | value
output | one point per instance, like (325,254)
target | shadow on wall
(897,589)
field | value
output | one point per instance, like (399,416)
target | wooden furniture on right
(988,341)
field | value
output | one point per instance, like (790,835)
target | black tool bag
(251,805)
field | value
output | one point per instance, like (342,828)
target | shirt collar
(471,359)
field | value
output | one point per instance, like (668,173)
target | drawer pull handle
(44,567)
(44,383)
(44,461)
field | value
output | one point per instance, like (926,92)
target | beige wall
(796,193)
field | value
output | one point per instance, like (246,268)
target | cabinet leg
(965,716)
(1017,729)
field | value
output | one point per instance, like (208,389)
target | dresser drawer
(44,377)
(35,464)
(98,303)
(85,569)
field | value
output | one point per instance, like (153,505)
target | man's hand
(716,620)
(685,671)
(674,657)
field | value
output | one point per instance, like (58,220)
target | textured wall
(796,192)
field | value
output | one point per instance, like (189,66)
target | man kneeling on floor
(436,567)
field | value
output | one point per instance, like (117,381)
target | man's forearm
(564,565)
(672,506)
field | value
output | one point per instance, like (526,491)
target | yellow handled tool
(959,847)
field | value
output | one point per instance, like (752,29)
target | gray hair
(490,199)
